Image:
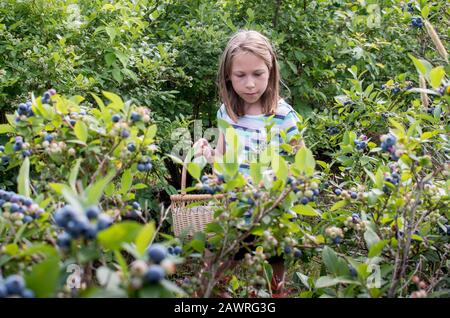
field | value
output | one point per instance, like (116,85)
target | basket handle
(183,179)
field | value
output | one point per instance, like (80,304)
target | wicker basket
(188,220)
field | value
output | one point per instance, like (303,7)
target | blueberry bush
(98,98)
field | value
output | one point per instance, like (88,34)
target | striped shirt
(252,132)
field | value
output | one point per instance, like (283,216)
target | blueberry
(297,252)
(316,192)
(64,215)
(353,195)
(154,274)
(390,140)
(148,166)
(157,252)
(27,201)
(14,208)
(287,250)
(2,202)
(131,147)
(27,219)
(17,146)
(90,232)
(136,205)
(15,284)
(337,240)
(26,153)
(337,191)
(352,271)
(177,250)
(204,179)
(304,200)
(135,116)
(383,86)
(170,250)
(2,148)
(141,167)
(27,293)
(92,212)
(48,137)
(76,226)
(64,239)
(250,201)
(395,90)
(116,118)
(3,291)
(125,133)
(104,221)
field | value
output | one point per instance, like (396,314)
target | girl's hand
(203,148)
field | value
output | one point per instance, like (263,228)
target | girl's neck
(253,109)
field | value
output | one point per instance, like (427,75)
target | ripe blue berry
(92,212)
(337,191)
(135,116)
(141,167)
(154,274)
(64,239)
(157,253)
(304,200)
(116,118)
(297,252)
(15,284)
(136,205)
(177,250)
(131,147)
(104,221)
(125,133)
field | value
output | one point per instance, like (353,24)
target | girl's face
(249,77)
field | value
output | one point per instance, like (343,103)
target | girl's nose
(250,83)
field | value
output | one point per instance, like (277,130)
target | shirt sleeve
(290,125)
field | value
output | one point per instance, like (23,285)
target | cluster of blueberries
(25,109)
(145,165)
(212,184)
(78,225)
(46,97)
(361,142)
(417,22)
(157,253)
(20,204)
(309,194)
(410,7)
(388,145)
(14,286)
(332,130)
(394,178)
(394,89)
(352,194)
(19,145)
(294,251)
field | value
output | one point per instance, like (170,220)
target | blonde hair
(257,44)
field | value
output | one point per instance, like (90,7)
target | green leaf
(194,170)
(339,205)
(81,131)
(110,58)
(127,180)
(304,161)
(95,191)
(198,245)
(280,167)
(330,260)
(145,237)
(255,172)
(436,76)
(74,173)
(370,237)
(99,102)
(305,210)
(115,99)
(425,11)
(117,75)
(5,128)
(115,236)
(327,281)
(418,64)
(44,277)
(23,180)
(376,248)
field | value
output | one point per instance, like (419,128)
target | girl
(248,81)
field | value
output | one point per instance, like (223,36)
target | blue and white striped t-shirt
(252,133)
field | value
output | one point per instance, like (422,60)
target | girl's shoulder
(284,108)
